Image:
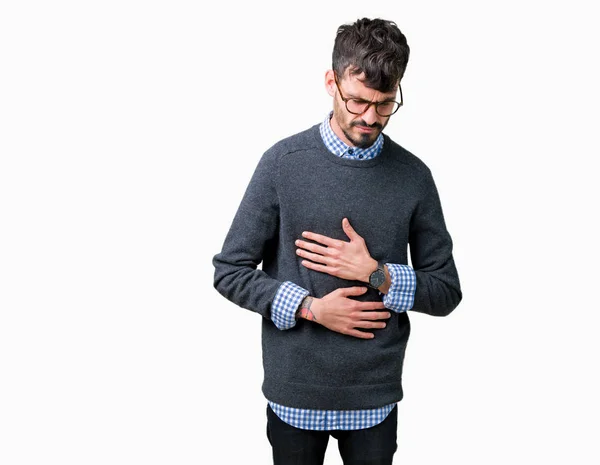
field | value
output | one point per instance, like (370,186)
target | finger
(312,247)
(349,230)
(314,257)
(360,334)
(378,305)
(321,268)
(328,241)
(370,324)
(355,290)
(375,315)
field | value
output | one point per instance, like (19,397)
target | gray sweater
(393,203)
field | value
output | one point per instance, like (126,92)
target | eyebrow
(390,99)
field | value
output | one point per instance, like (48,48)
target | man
(330,213)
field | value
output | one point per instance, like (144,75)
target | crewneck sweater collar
(321,145)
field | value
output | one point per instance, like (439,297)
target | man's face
(357,130)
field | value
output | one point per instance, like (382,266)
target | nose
(370,116)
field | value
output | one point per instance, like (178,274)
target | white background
(128,133)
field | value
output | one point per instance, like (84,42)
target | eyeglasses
(358,106)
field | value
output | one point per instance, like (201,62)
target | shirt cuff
(401,295)
(285,304)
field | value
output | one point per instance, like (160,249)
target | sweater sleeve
(438,290)
(252,232)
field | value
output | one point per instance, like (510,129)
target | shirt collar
(339,148)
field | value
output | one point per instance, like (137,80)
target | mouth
(365,129)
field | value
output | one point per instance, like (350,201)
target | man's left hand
(346,260)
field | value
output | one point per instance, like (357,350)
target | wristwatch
(377,278)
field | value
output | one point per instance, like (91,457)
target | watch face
(377,278)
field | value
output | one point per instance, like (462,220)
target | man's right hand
(337,312)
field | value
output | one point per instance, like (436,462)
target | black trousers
(369,446)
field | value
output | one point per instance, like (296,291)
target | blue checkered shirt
(399,298)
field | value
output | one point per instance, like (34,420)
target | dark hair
(373,46)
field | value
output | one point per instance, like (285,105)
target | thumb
(349,230)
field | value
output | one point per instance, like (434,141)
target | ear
(330,82)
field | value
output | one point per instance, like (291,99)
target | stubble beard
(365,140)
(361,141)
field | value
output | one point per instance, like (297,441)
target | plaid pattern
(327,420)
(401,294)
(287,300)
(339,148)
(399,298)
